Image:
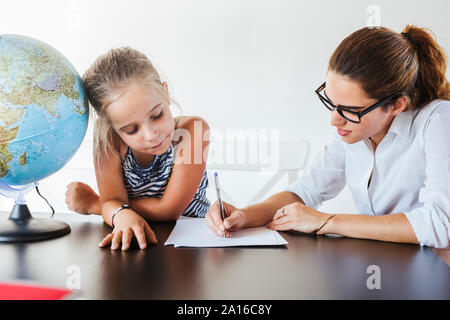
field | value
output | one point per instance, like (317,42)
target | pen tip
(215,174)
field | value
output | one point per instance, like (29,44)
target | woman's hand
(126,224)
(299,217)
(234,219)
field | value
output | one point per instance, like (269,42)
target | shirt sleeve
(430,222)
(324,178)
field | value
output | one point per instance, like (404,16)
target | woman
(388,97)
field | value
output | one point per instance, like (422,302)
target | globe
(43,110)
(43,120)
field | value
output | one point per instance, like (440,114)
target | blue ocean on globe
(43,110)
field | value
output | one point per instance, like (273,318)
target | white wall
(237,63)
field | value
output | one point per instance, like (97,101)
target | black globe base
(22,227)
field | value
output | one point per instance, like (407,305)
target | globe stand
(22,227)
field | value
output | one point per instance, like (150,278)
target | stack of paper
(193,232)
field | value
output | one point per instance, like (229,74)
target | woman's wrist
(244,215)
(256,215)
(330,225)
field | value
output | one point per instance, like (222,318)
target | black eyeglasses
(350,115)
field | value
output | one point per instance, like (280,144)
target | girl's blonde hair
(105,81)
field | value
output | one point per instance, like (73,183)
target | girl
(388,97)
(142,172)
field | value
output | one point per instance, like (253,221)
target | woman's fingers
(212,226)
(280,212)
(282,227)
(234,221)
(214,220)
(216,216)
(279,221)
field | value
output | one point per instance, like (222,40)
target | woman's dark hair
(385,62)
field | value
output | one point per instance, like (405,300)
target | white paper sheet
(193,232)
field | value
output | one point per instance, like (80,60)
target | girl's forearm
(260,214)
(389,227)
(154,209)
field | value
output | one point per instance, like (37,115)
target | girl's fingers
(140,236)
(106,240)
(116,240)
(126,239)
(150,234)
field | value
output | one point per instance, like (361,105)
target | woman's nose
(336,119)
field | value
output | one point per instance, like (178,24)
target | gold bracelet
(323,224)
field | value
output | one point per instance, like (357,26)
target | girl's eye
(132,131)
(157,116)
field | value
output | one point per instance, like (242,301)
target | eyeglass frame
(340,110)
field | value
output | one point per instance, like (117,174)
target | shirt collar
(402,123)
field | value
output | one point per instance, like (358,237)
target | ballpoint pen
(219,198)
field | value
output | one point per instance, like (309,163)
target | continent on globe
(43,110)
(5,157)
(10,116)
(44,78)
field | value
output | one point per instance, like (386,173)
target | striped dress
(144,182)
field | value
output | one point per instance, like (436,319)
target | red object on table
(10,291)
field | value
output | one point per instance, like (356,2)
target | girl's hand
(234,219)
(126,223)
(297,216)
(82,199)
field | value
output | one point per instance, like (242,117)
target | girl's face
(142,119)
(342,91)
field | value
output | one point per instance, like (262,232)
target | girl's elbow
(176,213)
(174,217)
(172,213)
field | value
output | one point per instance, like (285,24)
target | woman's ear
(398,106)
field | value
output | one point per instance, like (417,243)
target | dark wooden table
(320,267)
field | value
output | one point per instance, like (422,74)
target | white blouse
(411,173)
